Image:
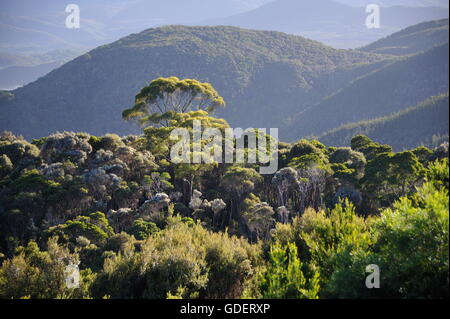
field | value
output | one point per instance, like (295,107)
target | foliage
(284,278)
(33,273)
(411,250)
(139,225)
(172,94)
(202,263)
(429,118)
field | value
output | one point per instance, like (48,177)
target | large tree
(164,96)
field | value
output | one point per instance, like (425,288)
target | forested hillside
(390,89)
(256,72)
(426,124)
(412,40)
(268,79)
(216,162)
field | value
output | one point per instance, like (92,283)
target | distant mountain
(264,76)
(411,40)
(390,89)
(176,11)
(269,79)
(330,22)
(17,70)
(14,76)
(425,124)
(388,3)
(7,60)
(29,26)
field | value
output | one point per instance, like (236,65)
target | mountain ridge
(425,123)
(405,82)
(331,22)
(238,62)
(413,39)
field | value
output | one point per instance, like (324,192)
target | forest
(137,225)
(268,78)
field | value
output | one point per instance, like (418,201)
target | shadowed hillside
(257,72)
(426,123)
(411,40)
(391,89)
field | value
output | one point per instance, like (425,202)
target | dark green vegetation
(400,85)
(140,226)
(268,79)
(429,120)
(420,37)
(256,72)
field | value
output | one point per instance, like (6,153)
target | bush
(181,257)
(33,273)
(284,278)
(411,251)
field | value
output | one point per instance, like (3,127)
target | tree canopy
(163,95)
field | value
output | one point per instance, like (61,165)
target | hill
(412,40)
(424,124)
(257,72)
(390,89)
(330,22)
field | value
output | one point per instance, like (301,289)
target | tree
(33,273)
(348,164)
(6,165)
(284,277)
(238,182)
(154,102)
(312,184)
(413,246)
(410,248)
(258,217)
(286,183)
(94,227)
(390,176)
(327,234)
(369,148)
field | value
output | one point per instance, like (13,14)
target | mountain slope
(393,88)
(412,40)
(330,22)
(407,129)
(257,72)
